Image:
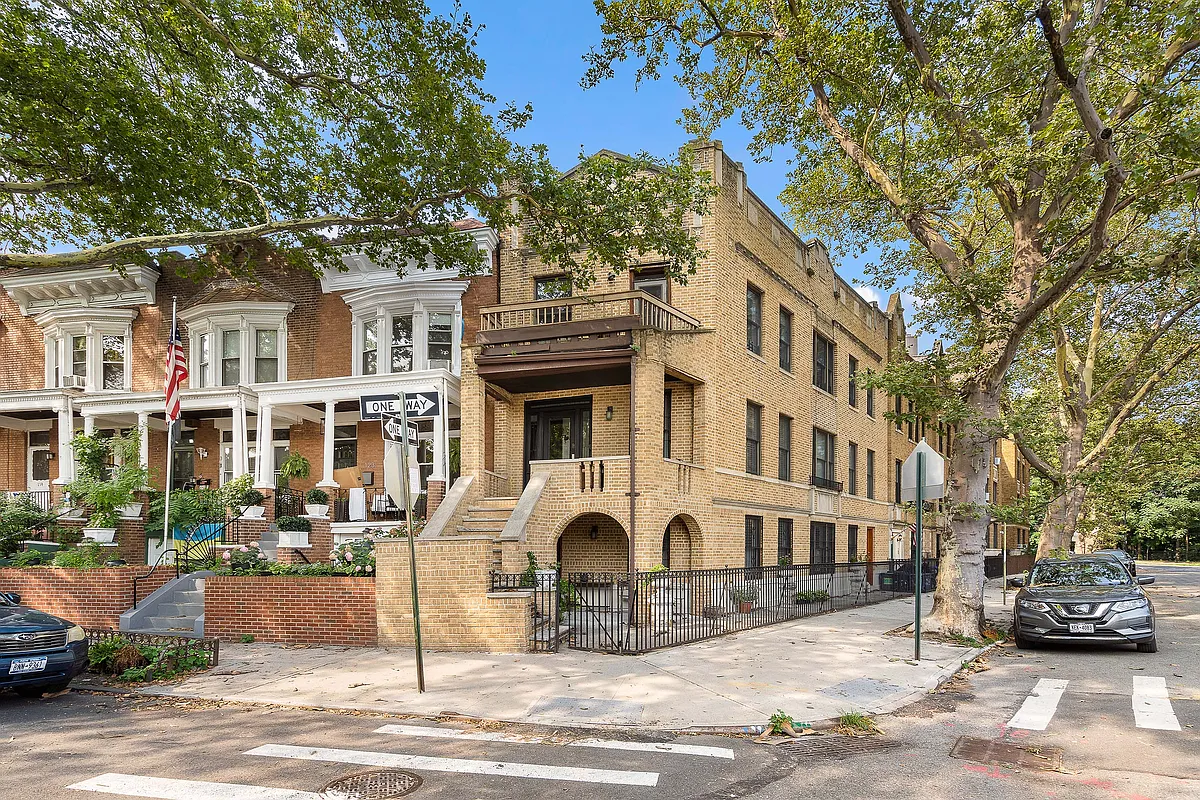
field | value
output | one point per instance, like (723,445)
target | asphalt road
(110,746)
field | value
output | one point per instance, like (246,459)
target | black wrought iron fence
(546,601)
(369,504)
(288,502)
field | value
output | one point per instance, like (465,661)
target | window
(852,543)
(853,382)
(870,474)
(112,366)
(79,356)
(823,363)
(345,446)
(823,466)
(899,413)
(785,339)
(754,542)
(402,343)
(785,542)
(439,338)
(652,282)
(822,537)
(231,358)
(370,347)
(912,423)
(203,359)
(552,288)
(871,402)
(753,438)
(852,467)
(896,487)
(666,423)
(754,300)
(266,356)
(785,448)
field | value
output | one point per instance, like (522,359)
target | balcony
(587,313)
(825,483)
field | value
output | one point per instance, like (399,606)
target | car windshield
(1079,573)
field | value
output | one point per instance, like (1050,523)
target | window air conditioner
(73,381)
(439,363)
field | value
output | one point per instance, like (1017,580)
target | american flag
(177,373)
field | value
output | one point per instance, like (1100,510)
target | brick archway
(681,543)
(593,542)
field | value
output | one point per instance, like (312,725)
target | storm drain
(378,784)
(1004,754)
(836,747)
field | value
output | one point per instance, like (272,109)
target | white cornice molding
(252,310)
(67,317)
(361,272)
(36,291)
(405,296)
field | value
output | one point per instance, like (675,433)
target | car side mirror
(15,598)
(1016,582)
(1145,580)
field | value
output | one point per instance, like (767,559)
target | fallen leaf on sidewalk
(356,685)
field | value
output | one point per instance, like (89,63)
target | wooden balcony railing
(648,311)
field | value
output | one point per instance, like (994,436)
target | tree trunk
(1062,516)
(958,601)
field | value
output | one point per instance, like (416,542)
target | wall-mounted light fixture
(594,533)
(608,413)
(202,452)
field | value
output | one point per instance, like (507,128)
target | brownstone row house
(638,422)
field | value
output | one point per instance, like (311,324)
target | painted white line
(1152,705)
(513,770)
(173,789)
(1038,709)
(605,744)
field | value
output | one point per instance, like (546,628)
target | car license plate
(1083,627)
(22,665)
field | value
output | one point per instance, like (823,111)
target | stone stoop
(487,517)
(176,609)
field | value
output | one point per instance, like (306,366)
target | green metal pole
(917,556)
(412,547)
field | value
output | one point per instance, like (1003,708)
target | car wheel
(46,688)
(1021,642)
(1148,646)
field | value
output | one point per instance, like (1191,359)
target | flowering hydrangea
(354,558)
(245,559)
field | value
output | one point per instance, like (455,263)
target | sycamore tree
(1099,360)
(995,146)
(133,129)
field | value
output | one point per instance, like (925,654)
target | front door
(38,475)
(558,429)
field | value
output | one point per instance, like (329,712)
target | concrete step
(190,598)
(481,527)
(175,623)
(192,610)
(494,503)
(188,634)
(471,518)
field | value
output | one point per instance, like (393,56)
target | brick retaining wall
(94,598)
(296,610)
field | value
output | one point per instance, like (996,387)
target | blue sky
(534,51)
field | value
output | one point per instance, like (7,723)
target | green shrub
(294,524)
(251,497)
(32,558)
(19,517)
(85,556)
(317,497)
(249,559)
(813,596)
(163,662)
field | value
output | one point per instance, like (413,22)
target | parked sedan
(1120,555)
(38,652)
(1083,599)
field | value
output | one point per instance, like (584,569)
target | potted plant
(316,503)
(294,466)
(744,599)
(103,489)
(250,504)
(293,531)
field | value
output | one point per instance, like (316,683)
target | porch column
(327,452)
(239,439)
(266,453)
(89,424)
(66,456)
(143,421)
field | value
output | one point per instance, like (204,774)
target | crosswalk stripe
(462,765)
(1038,709)
(1152,705)
(175,789)
(606,744)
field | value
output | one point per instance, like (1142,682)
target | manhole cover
(379,784)
(836,747)
(1001,753)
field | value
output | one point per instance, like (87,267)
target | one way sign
(393,427)
(417,404)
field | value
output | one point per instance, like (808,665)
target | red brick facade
(93,598)
(297,610)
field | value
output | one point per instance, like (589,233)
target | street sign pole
(920,552)
(412,546)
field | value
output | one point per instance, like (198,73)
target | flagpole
(170,447)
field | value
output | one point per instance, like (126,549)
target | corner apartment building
(716,423)
(1009,486)
(277,366)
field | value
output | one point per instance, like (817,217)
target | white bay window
(408,328)
(237,343)
(88,349)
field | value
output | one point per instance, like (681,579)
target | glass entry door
(558,429)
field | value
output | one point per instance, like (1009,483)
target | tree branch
(1037,462)
(41,187)
(1159,330)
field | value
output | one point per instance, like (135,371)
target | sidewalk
(814,669)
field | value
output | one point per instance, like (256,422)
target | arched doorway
(593,542)
(679,546)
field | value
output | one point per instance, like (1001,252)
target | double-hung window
(823,459)
(203,359)
(896,486)
(754,305)
(402,343)
(785,339)
(231,357)
(852,467)
(370,347)
(439,339)
(785,448)
(822,542)
(79,356)
(666,423)
(784,548)
(753,438)
(754,542)
(870,474)
(823,363)
(853,382)
(266,355)
(871,402)
(112,366)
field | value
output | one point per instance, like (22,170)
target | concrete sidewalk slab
(814,669)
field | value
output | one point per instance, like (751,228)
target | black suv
(38,652)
